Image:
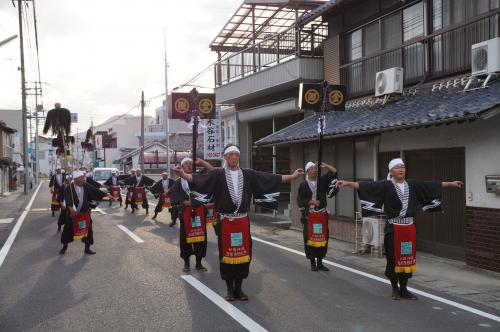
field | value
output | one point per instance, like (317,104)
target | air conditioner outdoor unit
(371,231)
(389,81)
(485,58)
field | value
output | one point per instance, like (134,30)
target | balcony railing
(271,51)
(446,51)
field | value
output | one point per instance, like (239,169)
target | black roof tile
(422,108)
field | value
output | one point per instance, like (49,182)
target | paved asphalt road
(132,286)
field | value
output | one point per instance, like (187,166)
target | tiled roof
(426,105)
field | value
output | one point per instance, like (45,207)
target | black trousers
(199,249)
(313,252)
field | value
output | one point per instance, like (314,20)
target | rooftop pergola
(256,20)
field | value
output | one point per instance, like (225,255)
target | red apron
(194,227)
(235,240)
(54,199)
(81,225)
(139,195)
(317,228)
(116,191)
(166,200)
(130,192)
(211,218)
(405,249)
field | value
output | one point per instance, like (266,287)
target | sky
(97,56)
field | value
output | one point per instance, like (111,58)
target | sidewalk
(11,207)
(451,277)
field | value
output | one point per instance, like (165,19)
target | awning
(263,18)
(423,106)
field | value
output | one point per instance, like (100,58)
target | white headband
(232,148)
(309,165)
(78,174)
(185,160)
(395,162)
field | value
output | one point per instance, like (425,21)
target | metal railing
(271,51)
(444,52)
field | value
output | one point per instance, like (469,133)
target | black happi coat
(199,249)
(60,198)
(90,193)
(264,187)
(56,187)
(109,184)
(328,189)
(157,189)
(144,182)
(380,197)
(53,182)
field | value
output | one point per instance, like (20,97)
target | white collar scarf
(236,197)
(185,186)
(403,197)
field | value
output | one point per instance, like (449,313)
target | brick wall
(482,238)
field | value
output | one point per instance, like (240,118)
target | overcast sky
(96,56)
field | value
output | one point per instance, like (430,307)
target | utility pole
(167,120)
(142,132)
(77,141)
(23,101)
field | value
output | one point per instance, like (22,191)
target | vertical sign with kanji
(212,137)
(98,141)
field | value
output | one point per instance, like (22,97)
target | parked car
(101,174)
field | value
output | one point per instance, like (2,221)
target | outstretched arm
(295,175)
(453,184)
(349,184)
(205,164)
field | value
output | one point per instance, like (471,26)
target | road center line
(371,276)
(130,233)
(10,240)
(230,309)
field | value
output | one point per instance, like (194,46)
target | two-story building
(7,170)
(444,123)
(262,57)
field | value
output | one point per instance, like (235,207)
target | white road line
(230,309)
(130,233)
(10,240)
(40,210)
(371,276)
(6,221)
(98,209)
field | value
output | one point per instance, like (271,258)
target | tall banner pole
(195,119)
(321,130)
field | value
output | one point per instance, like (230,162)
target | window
(371,39)
(354,47)
(391,31)
(413,21)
